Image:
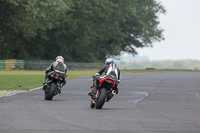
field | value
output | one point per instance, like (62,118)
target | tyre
(92,105)
(102,98)
(51,92)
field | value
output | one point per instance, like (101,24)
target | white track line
(20,92)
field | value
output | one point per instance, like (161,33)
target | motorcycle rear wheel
(51,92)
(102,98)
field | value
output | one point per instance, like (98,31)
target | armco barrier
(10,64)
(43,64)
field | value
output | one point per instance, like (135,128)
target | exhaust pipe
(114,92)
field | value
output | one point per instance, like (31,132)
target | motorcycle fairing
(108,80)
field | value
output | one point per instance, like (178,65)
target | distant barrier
(43,64)
(11,64)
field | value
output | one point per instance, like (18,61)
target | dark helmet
(108,61)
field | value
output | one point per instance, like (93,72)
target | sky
(181,25)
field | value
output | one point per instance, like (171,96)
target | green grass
(26,80)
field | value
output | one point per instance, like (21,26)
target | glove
(97,74)
(50,73)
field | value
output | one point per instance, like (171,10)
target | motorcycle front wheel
(102,98)
(51,92)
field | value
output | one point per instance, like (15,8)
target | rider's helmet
(59,59)
(109,61)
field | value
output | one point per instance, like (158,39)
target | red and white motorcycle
(104,92)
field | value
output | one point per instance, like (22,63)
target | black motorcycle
(54,84)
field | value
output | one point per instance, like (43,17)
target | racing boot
(90,93)
(93,92)
(116,90)
(45,85)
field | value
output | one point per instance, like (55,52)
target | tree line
(79,30)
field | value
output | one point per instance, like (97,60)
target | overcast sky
(182,32)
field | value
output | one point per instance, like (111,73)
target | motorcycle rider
(104,69)
(58,64)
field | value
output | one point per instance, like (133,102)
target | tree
(140,23)
(79,30)
(23,20)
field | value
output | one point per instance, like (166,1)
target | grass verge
(26,80)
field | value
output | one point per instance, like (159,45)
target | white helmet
(108,61)
(59,59)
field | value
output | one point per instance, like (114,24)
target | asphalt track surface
(160,102)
